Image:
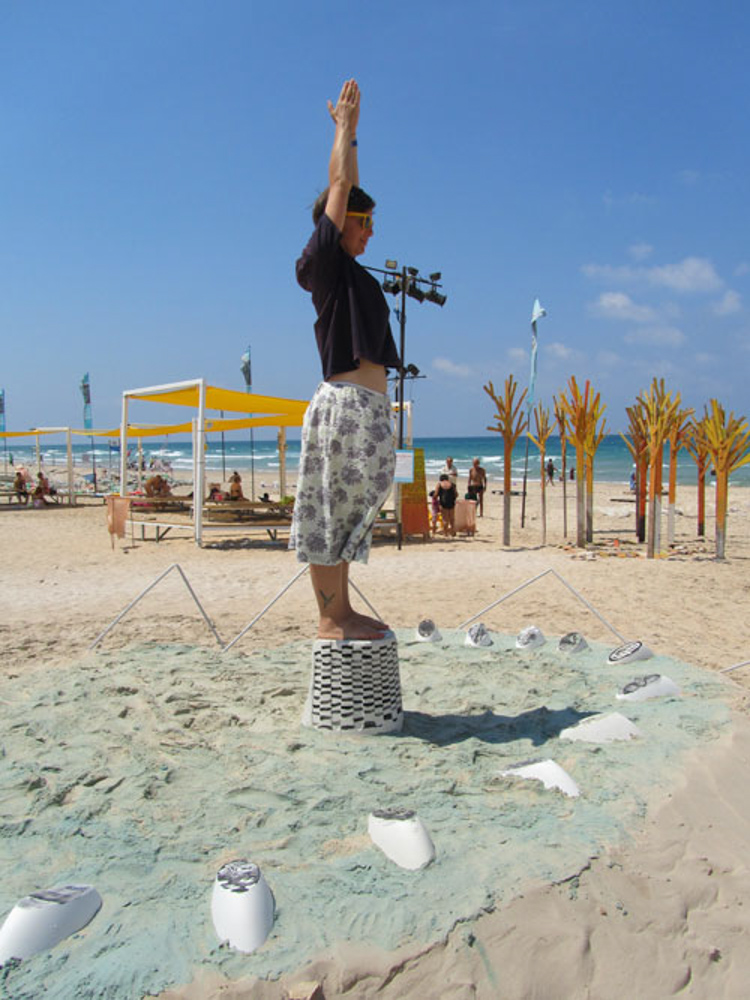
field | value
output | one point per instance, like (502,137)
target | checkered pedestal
(355,686)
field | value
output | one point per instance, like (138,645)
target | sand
(175,757)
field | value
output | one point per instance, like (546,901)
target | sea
(612,464)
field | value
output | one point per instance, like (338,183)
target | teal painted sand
(143,771)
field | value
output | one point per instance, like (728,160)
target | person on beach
(477,484)
(235,487)
(450,470)
(550,467)
(447,496)
(434,509)
(19,487)
(157,486)
(347,457)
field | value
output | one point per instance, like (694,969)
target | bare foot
(372,622)
(351,627)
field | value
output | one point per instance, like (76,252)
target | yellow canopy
(224,399)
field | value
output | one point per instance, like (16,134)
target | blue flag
(86,393)
(247,370)
(536,313)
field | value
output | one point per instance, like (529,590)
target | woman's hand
(346,111)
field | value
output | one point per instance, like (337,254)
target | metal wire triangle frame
(208,621)
(528,583)
(146,590)
(281,593)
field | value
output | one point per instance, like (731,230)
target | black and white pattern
(356,686)
(238,876)
(345,474)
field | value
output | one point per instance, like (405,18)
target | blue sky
(158,161)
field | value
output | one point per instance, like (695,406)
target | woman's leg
(337,618)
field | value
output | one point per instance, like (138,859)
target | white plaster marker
(629,652)
(427,631)
(530,638)
(478,636)
(602,729)
(242,906)
(573,642)
(401,836)
(548,772)
(40,921)
(648,686)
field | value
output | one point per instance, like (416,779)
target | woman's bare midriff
(370,375)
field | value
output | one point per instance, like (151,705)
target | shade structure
(273,410)
(37,432)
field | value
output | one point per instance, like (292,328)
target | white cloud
(742,268)
(693,274)
(702,358)
(729,304)
(558,350)
(608,359)
(517,354)
(612,275)
(618,305)
(656,336)
(449,367)
(640,251)
(634,198)
(689,177)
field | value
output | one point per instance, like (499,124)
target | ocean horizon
(612,464)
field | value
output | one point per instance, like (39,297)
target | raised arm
(343,168)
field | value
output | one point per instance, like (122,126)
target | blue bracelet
(354,142)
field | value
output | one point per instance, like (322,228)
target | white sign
(404,467)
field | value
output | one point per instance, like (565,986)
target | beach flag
(536,314)
(247,370)
(2,411)
(86,393)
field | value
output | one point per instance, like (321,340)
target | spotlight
(433,295)
(413,271)
(391,265)
(436,276)
(416,292)
(412,371)
(392,285)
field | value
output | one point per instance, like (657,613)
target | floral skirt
(345,473)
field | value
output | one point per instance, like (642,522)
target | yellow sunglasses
(364,217)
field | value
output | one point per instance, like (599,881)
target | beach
(180,758)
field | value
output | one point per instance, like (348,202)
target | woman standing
(347,460)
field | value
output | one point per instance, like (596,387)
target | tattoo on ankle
(327,598)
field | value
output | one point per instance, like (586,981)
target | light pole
(407,282)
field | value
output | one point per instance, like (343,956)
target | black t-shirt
(352,312)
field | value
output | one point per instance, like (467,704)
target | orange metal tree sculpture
(594,437)
(638,447)
(560,417)
(511,423)
(583,411)
(543,431)
(695,442)
(659,411)
(677,436)
(728,442)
